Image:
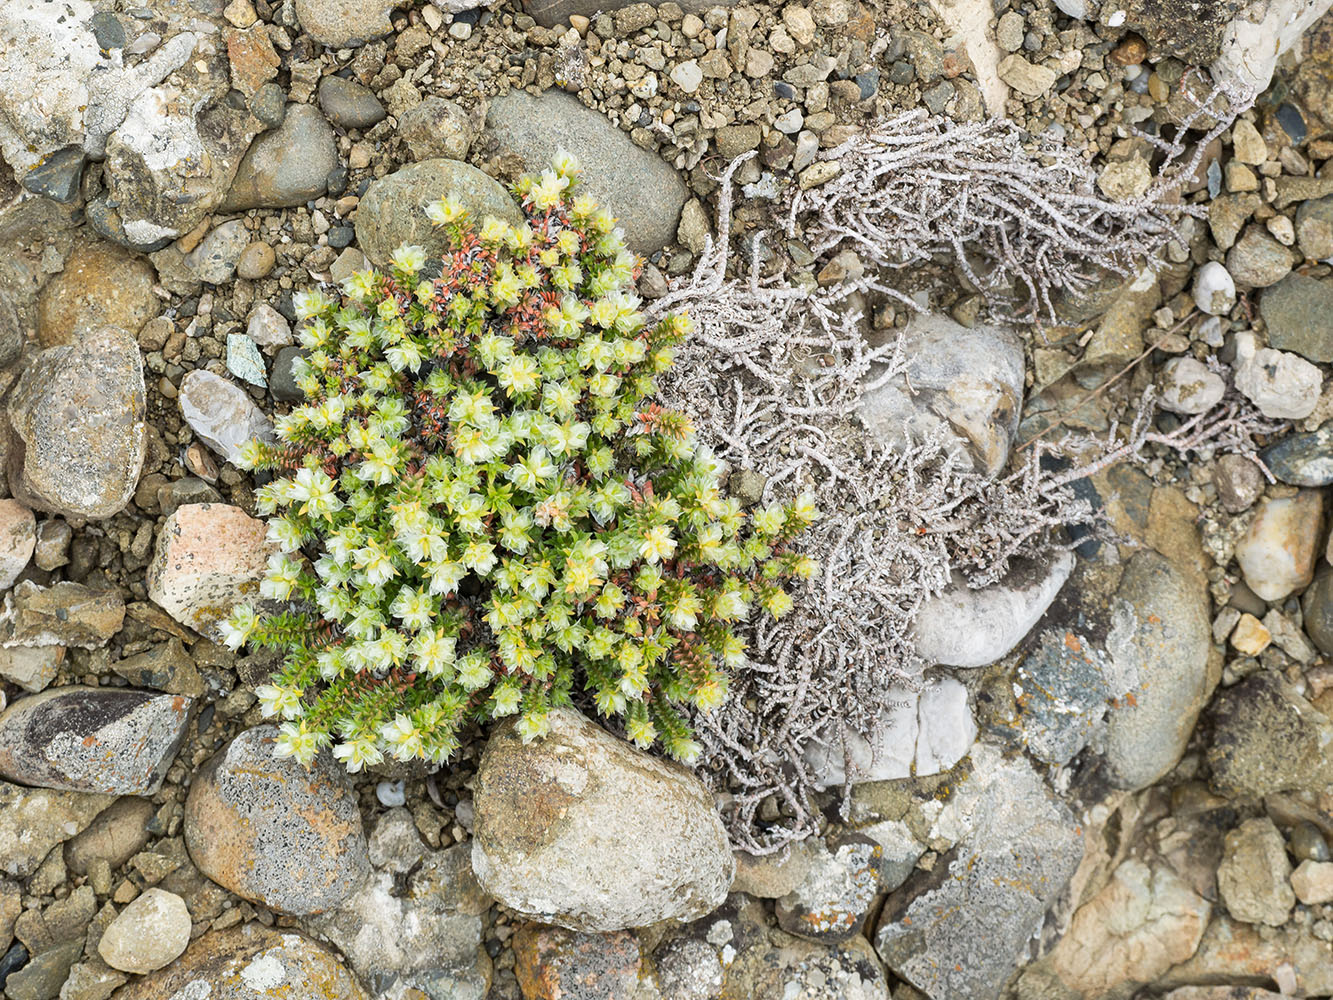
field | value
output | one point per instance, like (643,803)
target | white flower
(444,211)
(279,700)
(236,629)
(403,738)
(657,544)
(409,258)
(294,740)
(565,163)
(548,190)
(356,754)
(532,725)
(434,651)
(414,608)
(310,302)
(445,577)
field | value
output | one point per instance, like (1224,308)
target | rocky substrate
(1117,774)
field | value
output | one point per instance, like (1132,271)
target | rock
(587,832)
(641,190)
(768,876)
(101,285)
(1030,80)
(80,434)
(208,559)
(1232,952)
(1302,459)
(1143,922)
(285,167)
(282,380)
(244,360)
(164,667)
(1317,607)
(1160,642)
(274,832)
(58,176)
(919,733)
(1267,739)
(392,211)
(1062,690)
(114,741)
(152,931)
(214,260)
(44,974)
(64,614)
(687,75)
(833,900)
(250,962)
(1312,882)
(551,963)
(998,617)
(962,386)
(348,104)
(118,833)
(423,931)
(688,969)
(1214,290)
(1257,260)
(1277,553)
(1228,214)
(395,845)
(18,537)
(1282,385)
(221,413)
(1247,144)
(1298,312)
(31,668)
(1124,180)
(1249,637)
(92,979)
(256,261)
(342,24)
(267,327)
(179,492)
(252,58)
(1189,386)
(1252,37)
(1253,879)
(1314,228)
(436,128)
(34,820)
(958,930)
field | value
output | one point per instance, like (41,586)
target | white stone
(1258,35)
(1214,289)
(687,76)
(18,537)
(1283,385)
(963,627)
(945,727)
(1188,386)
(221,413)
(149,933)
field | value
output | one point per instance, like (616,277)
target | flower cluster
(480,513)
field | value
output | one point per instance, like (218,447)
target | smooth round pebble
(1214,290)
(256,261)
(149,933)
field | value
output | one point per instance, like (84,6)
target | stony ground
(1117,780)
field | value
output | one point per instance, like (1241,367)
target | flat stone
(115,741)
(345,23)
(79,419)
(1282,385)
(1257,260)
(119,832)
(208,559)
(1278,551)
(250,962)
(553,963)
(267,327)
(274,832)
(31,668)
(101,285)
(221,413)
(635,185)
(152,931)
(1062,690)
(833,900)
(1028,79)
(44,974)
(1254,877)
(1298,312)
(997,617)
(63,614)
(244,360)
(393,210)
(58,176)
(18,537)
(1314,228)
(1302,459)
(348,104)
(288,166)
(582,830)
(282,380)
(34,820)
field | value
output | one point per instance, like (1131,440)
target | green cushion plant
(481,512)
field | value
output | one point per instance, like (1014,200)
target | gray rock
(1298,312)
(1317,609)
(34,820)
(269,105)
(152,931)
(45,973)
(1189,386)
(1062,690)
(250,962)
(1254,876)
(189,490)
(549,13)
(287,166)
(436,128)
(1302,459)
(1308,843)
(1267,739)
(163,667)
(963,627)
(345,23)
(282,381)
(348,104)
(1160,641)
(959,930)
(833,900)
(32,669)
(688,969)
(214,259)
(395,845)
(58,175)
(417,931)
(393,210)
(273,832)
(963,387)
(221,413)
(1257,260)
(1314,228)
(1214,291)
(64,614)
(634,184)
(78,416)
(115,741)
(244,360)
(583,830)
(117,834)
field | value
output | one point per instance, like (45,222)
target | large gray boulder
(635,185)
(582,830)
(288,166)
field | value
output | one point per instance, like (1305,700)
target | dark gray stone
(57,177)
(1302,459)
(115,741)
(833,900)
(282,380)
(1317,607)
(348,104)
(1267,739)
(269,105)
(1062,689)
(1298,312)
(634,184)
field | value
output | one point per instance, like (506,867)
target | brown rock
(253,60)
(551,963)
(117,834)
(102,285)
(64,614)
